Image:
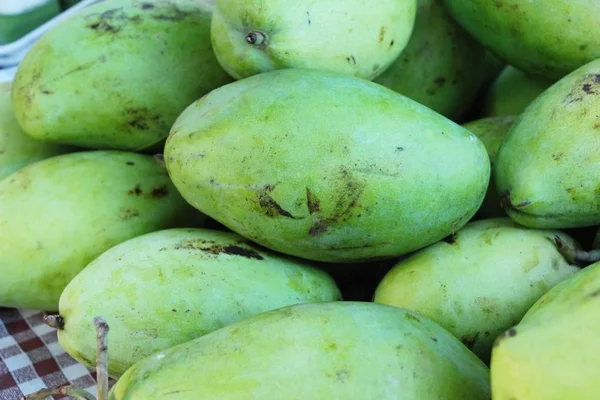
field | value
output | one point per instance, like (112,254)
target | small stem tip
(54,321)
(60,391)
(572,254)
(102,357)
(257,38)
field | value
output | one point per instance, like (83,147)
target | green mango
(325,166)
(60,213)
(345,36)
(512,92)
(552,354)
(491,131)
(442,67)
(117,73)
(546,42)
(16,148)
(479,282)
(334,350)
(548,167)
(171,286)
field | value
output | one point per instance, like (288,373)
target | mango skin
(442,66)
(335,350)
(512,92)
(117,74)
(479,282)
(552,354)
(315,164)
(547,167)
(171,286)
(549,42)
(345,36)
(60,213)
(16,148)
(491,131)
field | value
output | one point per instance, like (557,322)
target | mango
(325,166)
(171,286)
(346,36)
(16,148)
(442,66)
(117,74)
(491,131)
(549,43)
(333,350)
(479,282)
(552,354)
(548,166)
(512,92)
(60,213)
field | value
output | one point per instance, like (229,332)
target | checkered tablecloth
(32,359)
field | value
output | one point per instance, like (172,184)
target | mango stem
(54,321)
(572,254)
(257,38)
(102,357)
(60,391)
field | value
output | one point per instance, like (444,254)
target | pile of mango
(312,199)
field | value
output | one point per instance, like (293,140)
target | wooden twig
(62,391)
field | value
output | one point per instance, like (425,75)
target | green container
(19,17)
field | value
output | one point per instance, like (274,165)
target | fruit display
(226,199)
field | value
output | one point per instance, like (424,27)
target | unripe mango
(60,213)
(116,74)
(318,351)
(171,286)
(479,282)
(325,166)
(548,167)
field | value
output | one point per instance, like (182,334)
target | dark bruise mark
(171,13)
(440,81)
(351,59)
(399,148)
(583,47)
(342,375)
(348,193)
(381,34)
(514,7)
(522,204)
(512,332)
(128,213)
(595,294)
(268,204)
(587,88)
(159,192)
(308,15)
(596,125)
(391,43)
(47,92)
(376,67)
(411,317)
(174,310)
(312,202)
(434,339)
(216,249)
(135,191)
(130,163)
(110,21)
(147,6)
(498,4)
(318,228)
(557,156)
(140,118)
(450,239)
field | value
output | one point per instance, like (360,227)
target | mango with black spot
(317,351)
(480,281)
(17,149)
(171,286)
(552,354)
(326,166)
(117,74)
(547,170)
(60,213)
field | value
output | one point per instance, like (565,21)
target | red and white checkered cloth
(32,359)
